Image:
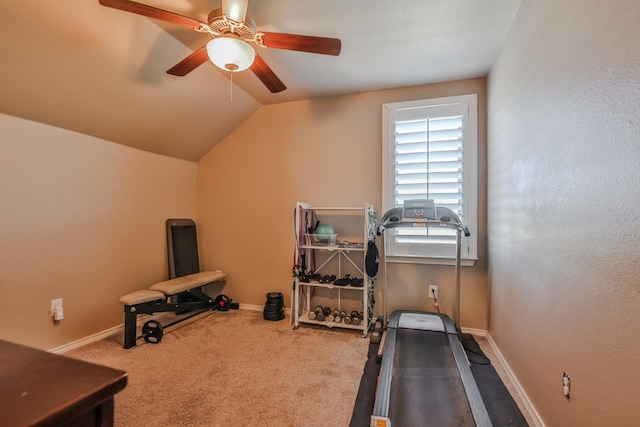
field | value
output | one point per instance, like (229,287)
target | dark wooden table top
(42,388)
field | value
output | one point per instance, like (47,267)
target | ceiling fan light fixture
(230,54)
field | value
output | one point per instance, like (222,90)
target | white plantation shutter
(431,154)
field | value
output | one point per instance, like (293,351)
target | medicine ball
(324,230)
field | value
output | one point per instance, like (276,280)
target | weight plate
(277,317)
(274,303)
(275,297)
(152,332)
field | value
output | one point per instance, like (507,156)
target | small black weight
(222,302)
(152,332)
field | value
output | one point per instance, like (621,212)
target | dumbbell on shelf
(337,317)
(322,314)
(317,314)
(326,314)
(356,318)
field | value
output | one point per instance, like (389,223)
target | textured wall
(327,152)
(81,219)
(563,156)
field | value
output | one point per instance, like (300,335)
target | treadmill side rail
(478,408)
(381,403)
(380,421)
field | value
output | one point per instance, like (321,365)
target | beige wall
(82,219)
(563,174)
(326,152)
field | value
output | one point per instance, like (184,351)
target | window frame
(426,253)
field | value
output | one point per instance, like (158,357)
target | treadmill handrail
(448,219)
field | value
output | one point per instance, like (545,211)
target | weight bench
(182,293)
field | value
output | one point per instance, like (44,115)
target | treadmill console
(419,209)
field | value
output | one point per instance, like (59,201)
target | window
(430,152)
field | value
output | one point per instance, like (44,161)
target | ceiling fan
(233,36)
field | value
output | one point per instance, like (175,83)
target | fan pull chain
(231,88)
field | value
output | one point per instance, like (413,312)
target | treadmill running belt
(426,388)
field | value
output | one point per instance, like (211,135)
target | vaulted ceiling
(78,65)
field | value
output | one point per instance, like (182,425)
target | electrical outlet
(566,385)
(56,309)
(433,291)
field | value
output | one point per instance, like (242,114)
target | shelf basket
(321,239)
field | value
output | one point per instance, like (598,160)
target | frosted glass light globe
(230,54)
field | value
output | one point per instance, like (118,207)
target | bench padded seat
(184,283)
(138,297)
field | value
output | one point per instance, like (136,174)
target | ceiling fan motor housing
(225,26)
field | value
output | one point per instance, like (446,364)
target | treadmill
(425,376)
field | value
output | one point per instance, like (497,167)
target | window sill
(465,262)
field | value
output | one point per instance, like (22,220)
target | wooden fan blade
(152,12)
(267,76)
(190,63)
(311,44)
(235,9)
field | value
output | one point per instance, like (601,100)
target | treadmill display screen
(419,209)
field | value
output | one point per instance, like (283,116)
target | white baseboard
(120,329)
(98,336)
(86,340)
(516,384)
(476,332)
(251,307)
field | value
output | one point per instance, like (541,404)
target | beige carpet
(236,369)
